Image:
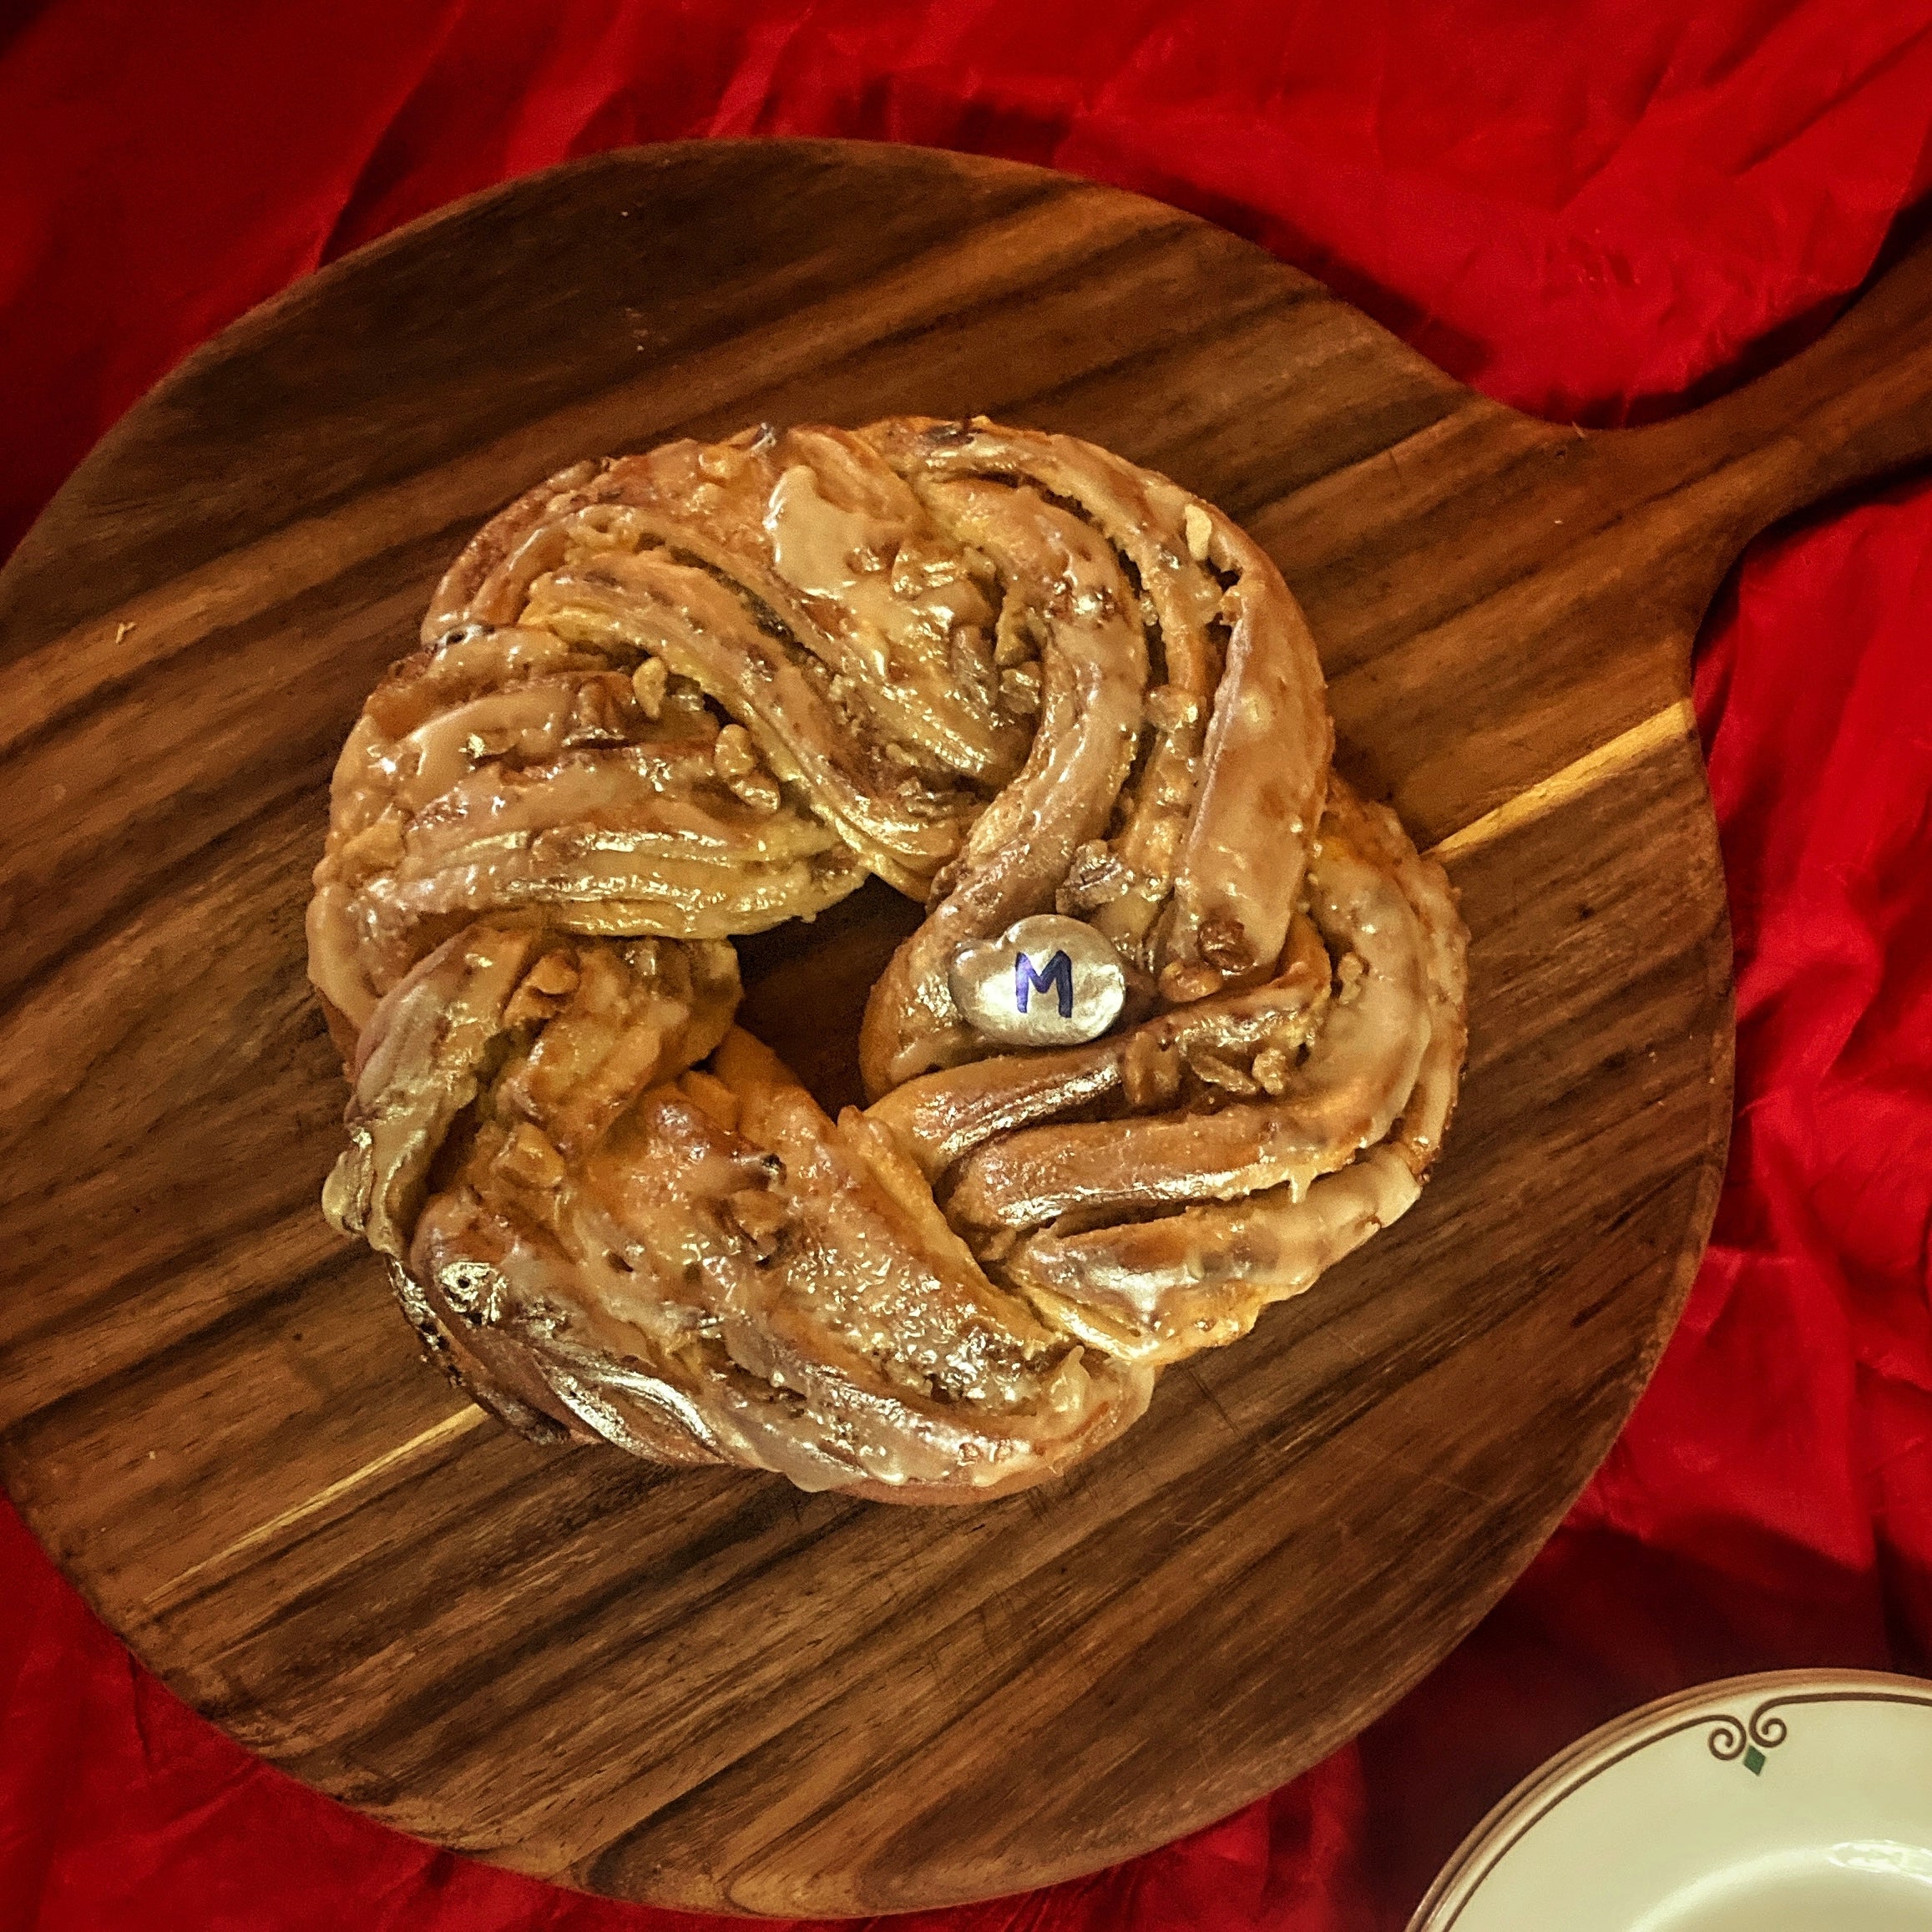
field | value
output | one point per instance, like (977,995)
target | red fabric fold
(1597,212)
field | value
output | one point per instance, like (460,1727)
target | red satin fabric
(1596,211)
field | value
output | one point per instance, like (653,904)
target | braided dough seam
(672,698)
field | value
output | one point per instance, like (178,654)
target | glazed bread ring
(670,699)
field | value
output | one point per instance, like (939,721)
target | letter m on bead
(1058,979)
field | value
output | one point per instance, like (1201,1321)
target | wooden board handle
(1855,405)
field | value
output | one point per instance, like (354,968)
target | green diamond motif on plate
(1754,1761)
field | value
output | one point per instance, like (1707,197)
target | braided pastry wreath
(672,698)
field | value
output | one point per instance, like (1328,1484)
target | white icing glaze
(684,696)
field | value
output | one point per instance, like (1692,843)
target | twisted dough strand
(675,697)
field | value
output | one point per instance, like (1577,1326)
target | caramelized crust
(667,700)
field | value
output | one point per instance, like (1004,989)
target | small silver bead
(1045,981)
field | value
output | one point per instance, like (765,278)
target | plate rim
(1559,1777)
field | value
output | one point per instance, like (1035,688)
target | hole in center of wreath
(806,984)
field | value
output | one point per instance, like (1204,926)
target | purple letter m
(1059,977)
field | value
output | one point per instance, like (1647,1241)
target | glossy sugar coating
(672,698)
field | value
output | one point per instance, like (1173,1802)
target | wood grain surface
(708,1688)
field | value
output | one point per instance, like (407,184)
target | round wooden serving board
(710,1689)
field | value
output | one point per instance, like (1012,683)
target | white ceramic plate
(1800,1801)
